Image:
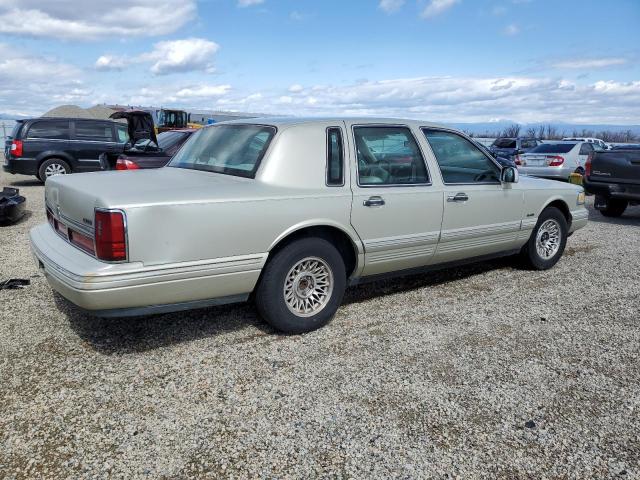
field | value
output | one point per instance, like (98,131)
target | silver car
(292,211)
(556,159)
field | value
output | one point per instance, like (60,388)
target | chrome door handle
(374,201)
(458,197)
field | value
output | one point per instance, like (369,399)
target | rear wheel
(547,241)
(53,166)
(613,207)
(302,286)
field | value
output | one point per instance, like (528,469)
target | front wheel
(302,286)
(547,241)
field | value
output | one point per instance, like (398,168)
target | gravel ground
(482,371)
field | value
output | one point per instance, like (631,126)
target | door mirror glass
(509,175)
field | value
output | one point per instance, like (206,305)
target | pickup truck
(614,177)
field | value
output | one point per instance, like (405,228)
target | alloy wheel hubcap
(548,239)
(54,169)
(308,287)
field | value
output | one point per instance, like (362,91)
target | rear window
(169,139)
(95,131)
(50,129)
(228,149)
(16,130)
(553,148)
(504,143)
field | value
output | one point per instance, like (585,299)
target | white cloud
(511,29)
(190,54)
(111,62)
(32,84)
(436,7)
(82,19)
(249,3)
(390,6)
(591,63)
(461,99)
(203,91)
(295,88)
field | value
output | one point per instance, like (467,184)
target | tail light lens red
(124,163)
(555,161)
(517,160)
(111,236)
(587,166)
(16,148)
(81,241)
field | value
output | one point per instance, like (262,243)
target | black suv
(52,146)
(510,148)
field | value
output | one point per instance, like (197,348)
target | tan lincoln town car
(293,210)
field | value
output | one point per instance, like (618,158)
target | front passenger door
(481,215)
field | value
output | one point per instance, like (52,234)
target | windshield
(505,143)
(553,148)
(169,139)
(229,149)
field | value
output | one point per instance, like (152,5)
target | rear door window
(94,131)
(388,155)
(528,143)
(50,129)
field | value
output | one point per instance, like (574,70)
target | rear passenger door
(396,210)
(89,139)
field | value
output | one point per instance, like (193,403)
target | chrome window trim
(460,134)
(388,185)
(342,154)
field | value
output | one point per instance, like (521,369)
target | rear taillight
(555,161)
(124,163)
(111,236)
(16,148)
(517,160)
(587,166)
(81,241)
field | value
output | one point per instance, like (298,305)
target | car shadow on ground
(27,183)
(140,334)
(630,218)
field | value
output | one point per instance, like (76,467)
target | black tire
(530,253)
(614,207)
(270,293)
(52,163)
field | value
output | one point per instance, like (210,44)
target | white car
(596,141)
(556,160)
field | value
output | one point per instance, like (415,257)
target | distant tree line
(550,132)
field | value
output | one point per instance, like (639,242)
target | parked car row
(53,146)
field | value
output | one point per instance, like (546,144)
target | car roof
(75,119)
(290,121)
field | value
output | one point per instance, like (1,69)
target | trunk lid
(139,124)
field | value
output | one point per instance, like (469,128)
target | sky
(528,61)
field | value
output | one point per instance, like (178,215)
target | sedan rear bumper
(128,289)
(553,173)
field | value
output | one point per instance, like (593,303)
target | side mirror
(509,175)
